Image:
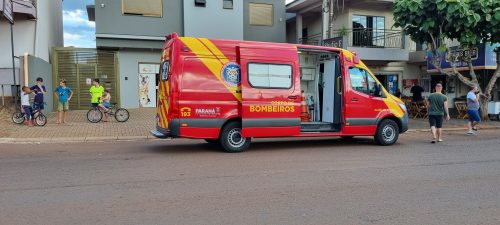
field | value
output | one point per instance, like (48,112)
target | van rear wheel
(387,132)
(231,139)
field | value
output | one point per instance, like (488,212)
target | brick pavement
(78,128)
(137,127)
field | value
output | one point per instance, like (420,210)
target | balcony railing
(367,38)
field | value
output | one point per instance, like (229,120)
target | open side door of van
(270,85)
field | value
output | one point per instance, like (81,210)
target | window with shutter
(261,14)
(152,8)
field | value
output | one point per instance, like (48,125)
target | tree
(470,22)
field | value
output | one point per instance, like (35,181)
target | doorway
(389,81)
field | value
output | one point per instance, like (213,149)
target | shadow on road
(260,145)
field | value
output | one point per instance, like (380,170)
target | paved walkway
(79,129)
(137,127)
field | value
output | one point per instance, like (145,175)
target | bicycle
(95,114)
(40,118)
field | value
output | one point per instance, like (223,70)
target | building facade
(136,30)
(38,27)
(366,27)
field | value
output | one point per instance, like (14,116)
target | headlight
(403,107)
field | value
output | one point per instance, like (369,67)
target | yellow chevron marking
(213,64)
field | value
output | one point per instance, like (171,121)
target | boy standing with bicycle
(40,91)
(96,91)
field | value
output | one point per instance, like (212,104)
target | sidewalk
(79,129)
(136,128)
(453,124)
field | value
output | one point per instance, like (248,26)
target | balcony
(370,44)
(23,7)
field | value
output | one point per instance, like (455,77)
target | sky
(78,30)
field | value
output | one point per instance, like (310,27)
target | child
(106,98)
(25,105)
(63,94)
(96,91)
(39,90)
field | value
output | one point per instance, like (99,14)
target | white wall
(213,21)
(34,37)
(128,61)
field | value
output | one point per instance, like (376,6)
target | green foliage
(469,21)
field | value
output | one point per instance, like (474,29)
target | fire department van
(228,92)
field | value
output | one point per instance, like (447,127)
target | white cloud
(77,18)
(72,37)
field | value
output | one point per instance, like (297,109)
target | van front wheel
(231,139)
(387,132)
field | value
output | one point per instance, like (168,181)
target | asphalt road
(311,181)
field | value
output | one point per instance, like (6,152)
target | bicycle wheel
(121,115)
(18,118)
(41,120)
(94,115)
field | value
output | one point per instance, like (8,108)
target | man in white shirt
(473,110)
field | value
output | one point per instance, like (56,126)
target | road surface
(278,181)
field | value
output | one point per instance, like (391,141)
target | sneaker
(474,128)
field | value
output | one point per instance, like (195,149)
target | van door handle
(292,97)
(354,99)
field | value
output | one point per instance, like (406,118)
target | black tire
(231,140)
(94,115)
(18,118)
(122,115)
(41,120)
(387,133)
(498,117)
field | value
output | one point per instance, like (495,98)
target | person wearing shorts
(63,94)
(437,106)
(95,91)
(105,104)
(473,110)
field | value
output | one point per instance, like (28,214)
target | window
(362,81)
(270,75)
(152,8)
(261,14)
(368,30)
(227,4)
(358,80)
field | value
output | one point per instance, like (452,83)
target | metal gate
(77,66)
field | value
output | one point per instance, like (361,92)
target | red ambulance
(228,92)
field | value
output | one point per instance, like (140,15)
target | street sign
(8,10)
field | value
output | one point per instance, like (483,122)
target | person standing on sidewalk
(416,90)
(63,95)
(40,91)
(96,91)
(26,106)
(473,110)
(437,105)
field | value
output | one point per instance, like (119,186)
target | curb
(74,139)
(148,137)
(450,129)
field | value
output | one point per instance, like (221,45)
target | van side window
(373,87)
(363,82)
(261,75)
(358,80)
